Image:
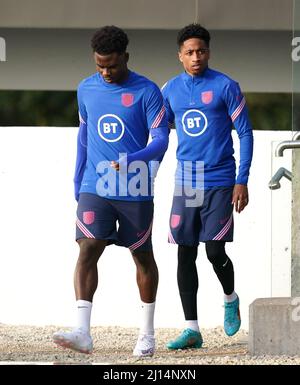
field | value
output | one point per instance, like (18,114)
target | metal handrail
(285,145)
(281,172)
(296,136)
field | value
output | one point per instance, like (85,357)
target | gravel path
(114,345)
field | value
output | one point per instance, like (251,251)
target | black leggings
(187,276)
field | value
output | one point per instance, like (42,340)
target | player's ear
(126,57)
(180,56)
(95,57)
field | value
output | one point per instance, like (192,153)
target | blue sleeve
(169,113)
(157,123)
(80,158)
(237,109)
(155,149)
(81,147)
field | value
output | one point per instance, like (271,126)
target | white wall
(38,252)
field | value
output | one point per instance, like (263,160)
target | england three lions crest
(127,100)
(207,97)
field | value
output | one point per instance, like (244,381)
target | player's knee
(216,254)
(187,255)
(144,259)
(90,249)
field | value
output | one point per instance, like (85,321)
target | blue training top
(204,109)
(115,122)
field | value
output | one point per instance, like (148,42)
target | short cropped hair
(193,31)
(109,39)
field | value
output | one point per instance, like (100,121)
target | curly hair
(193,31)
(109,39)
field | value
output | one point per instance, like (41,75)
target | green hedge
(268,111)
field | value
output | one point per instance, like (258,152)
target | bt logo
(110,128)
(194,122)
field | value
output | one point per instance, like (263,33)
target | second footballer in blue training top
(204,104)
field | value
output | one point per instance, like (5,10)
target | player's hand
(115,165)
(240,197)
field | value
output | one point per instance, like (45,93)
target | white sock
(147,318)
(231,297)
(84,309)
(192,325)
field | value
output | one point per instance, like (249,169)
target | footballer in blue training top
(204,104)
(116,118)
(118,110)
(203,108)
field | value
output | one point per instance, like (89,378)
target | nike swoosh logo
(225,263)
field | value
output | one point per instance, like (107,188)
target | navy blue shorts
(212,221)
(98,218)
